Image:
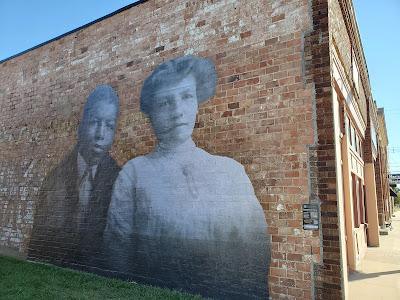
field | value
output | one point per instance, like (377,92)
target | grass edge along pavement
(21,279)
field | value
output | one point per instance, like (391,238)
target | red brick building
(289,74)
(385,208)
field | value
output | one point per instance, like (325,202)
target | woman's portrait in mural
(179,216)
(73,201)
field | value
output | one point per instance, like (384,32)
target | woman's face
(173,112)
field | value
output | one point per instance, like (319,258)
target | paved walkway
(379,277)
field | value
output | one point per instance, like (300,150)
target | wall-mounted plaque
(310,217)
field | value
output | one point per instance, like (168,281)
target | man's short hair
(173,71)
(102,93)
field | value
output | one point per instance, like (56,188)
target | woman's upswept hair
(174,70)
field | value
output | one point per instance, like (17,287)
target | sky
(379,24)
(26,23)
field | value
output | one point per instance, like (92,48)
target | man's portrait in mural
(71,215)
(179,216)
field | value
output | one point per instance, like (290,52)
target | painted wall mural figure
(179,216)
(73,202)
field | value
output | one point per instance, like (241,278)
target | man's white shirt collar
(82,165)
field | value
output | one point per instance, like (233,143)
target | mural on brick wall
(177,217)
(71,212)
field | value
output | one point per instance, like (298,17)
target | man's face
(173,112)
(97,132)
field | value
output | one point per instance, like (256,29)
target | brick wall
(327,275)
(380,187)
(273,75)
(345,44)
(367,146)
(383,160)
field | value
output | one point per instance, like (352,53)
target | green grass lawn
(25,280)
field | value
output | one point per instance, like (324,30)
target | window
(373,136)
(353,136)
(361,201)
(356,145)
(355,200)
(354,140)
(356,75)
(365,205)
(348,131)
(358,201)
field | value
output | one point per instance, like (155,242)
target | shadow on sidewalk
(354,276)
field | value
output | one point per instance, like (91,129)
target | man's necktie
(85,192)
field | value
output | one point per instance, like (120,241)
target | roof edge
(74,30)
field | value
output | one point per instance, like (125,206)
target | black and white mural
(177,217)
(70,216)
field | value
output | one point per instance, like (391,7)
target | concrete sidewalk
(379,277)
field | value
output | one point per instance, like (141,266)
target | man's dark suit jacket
(56,236)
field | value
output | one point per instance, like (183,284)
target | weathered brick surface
(345,45)
(382,190)
(379,188)
(327,274)
(382,186)
(272,112)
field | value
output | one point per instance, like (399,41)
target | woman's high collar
(186,146)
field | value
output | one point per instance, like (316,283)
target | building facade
(292,105)
(385,208)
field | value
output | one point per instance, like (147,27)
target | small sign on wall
(310,217)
